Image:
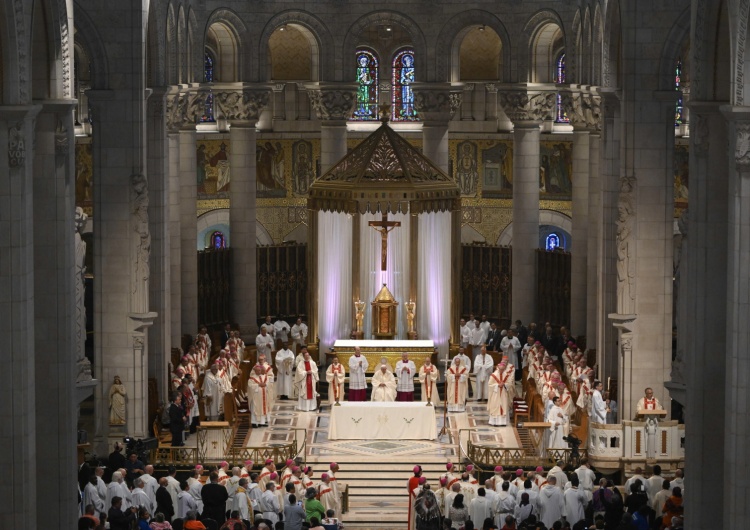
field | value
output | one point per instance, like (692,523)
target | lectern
(652,423)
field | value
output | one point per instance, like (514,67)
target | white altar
(374,350)
(369,420)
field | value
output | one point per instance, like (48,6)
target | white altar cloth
(370,420)
(384,343)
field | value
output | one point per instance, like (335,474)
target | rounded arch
(448,43)
(218,220)
(673,48)
(540,34)
(89,37)
(228,21)
(351,42)
(323,42)
(546,218)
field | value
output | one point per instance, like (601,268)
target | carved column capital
(523,105)
(244,104)
(582,109)
(436,102)
(333,103)
(742,145)
(175,108)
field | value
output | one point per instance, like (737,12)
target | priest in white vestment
(284,361)
(264,341)
(91,496)
(185,502)
(299,335)
(428,376)
(480,508)
(257,395)
(116,488)
(483,365)
(498,404)
(405,372)
(213,391)
(477,337)
(282,330)
(357,369)
(465,360)
(326,494)
(140,498)
(383,385)
(465,333)
(557,430)
(335,375)
(306,380)
(575,502)
(241,501)
(456,386)
(268,370)
(551,503)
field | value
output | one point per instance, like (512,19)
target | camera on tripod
(140,447)
(573,441)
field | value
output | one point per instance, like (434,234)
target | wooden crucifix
(384,226)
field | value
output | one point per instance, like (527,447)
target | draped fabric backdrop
(335,304)
(397,275)
(433,311)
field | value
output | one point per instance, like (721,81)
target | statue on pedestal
(117,395)
(410,307)
(82,363)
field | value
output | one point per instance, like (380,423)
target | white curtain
(396,277)
(335,305)
(434,288)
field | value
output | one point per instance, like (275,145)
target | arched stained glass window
(559,76)
(402,96)
(678,88)
(552,242)
(367,93)
(218,241)
(208,76)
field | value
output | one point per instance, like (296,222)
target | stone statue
(117,396)
(359,305)
(410,307)
(625,246)
(143,236)
(82,363)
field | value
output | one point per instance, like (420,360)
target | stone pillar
(490,113)
(594,236)
(55,312)
(17,325)
(526,110)
(436,105)
(122,242)
(242,109)
(160,335)
(467,102)
(175,240)
(333,104)
(279,102)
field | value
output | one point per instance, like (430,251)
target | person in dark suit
(551,342)
(176,419)
(164,503)
(226,335)
(521,332)
(493,338)
(119,520)
(214,497)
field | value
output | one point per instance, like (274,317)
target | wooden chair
(164,436)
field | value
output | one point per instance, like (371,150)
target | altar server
(284,360)
(483,365)
(357,383)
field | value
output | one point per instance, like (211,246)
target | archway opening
(294,53)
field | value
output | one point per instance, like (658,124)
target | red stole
(649,404)
(309,381)
(258,381)
(501,384)
(455,386)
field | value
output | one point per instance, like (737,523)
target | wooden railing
(486,457)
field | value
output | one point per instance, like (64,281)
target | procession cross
(384,226)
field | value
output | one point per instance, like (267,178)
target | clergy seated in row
(428,376)
(498,404)
(306,380)
(405,372)
(258,390)
(357,369)
(335,375)
(456,386)
(383,384)
(284,362)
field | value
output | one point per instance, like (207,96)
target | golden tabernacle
(384,315)
(374,350)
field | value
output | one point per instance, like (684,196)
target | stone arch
(584,74)
(171,47)
(546,217)
(219,220)
(449,42)
(537,31)
(181,45)
(673,47)
(422,54)
(611,45)
(51,60)
(573,58)
(324,46)
(239,33)
(596,55)
(89,37)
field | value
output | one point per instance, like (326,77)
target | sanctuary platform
(374,350)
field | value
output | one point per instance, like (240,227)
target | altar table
(374,350)
(370,420)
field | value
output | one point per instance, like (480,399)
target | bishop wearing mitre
(335,377)
(306,380)
(428,376)
(455,386)
(383,384)
(257,395)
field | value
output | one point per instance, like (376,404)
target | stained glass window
(559,79)
(217,240)
(367,93)
(678,88)
(552,242)
(402,96)
(208,76)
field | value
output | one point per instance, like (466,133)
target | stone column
(526,110)
(279,102)
(594,235)
(333,104)
(436,104)
(160,336)
(17,325)
(467,102)
(55,312)
(242,109)
(490,113)
(174,119)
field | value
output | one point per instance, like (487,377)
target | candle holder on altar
(384,314)
(410,307)
(359,333)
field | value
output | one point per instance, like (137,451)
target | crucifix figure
(384,226)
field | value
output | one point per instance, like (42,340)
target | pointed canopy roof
(384,173)
(384,296)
